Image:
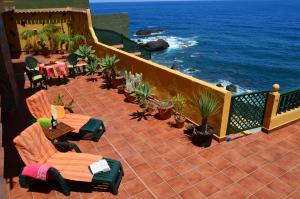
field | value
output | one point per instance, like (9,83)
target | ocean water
(252,44)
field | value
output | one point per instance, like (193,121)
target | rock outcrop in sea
(148,31)
(157,45)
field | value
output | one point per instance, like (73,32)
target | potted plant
(149,107)
(91,70)
(208,105)
(165,109)
(51,30)
(190,128)
(118,79)
(73,42)
(142,92)
(86,52)
(178,103)
(59,40)
(42,39)
(132,81)
(27,35)
(121,89)
(59,101)
(107,64)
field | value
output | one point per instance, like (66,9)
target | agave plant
(85,52)
(208,105)
(142,92)
(91,68)
(107,64)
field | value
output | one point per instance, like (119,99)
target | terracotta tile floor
(160,161)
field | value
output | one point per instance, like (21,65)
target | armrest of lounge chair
(68,144)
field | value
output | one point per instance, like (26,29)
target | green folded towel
(44,122)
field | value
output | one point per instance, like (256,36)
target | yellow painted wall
(166,82)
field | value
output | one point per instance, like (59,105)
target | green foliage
(27,35)
(73,42)
(208,104)
(85,52)
(91,68)
(60,39)
(142,92)
(178,102)
(165,103)
(107,64)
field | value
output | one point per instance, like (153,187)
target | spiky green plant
(91,69)
(208,105)
(85,52)
(142,92)
(107,64)
(178,103)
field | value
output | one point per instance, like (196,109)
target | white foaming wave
(239,88)
(174,42)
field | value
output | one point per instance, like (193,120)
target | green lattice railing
(110,37)
(289,99)
(246,111)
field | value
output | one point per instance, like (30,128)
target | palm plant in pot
(74,41)
(51,30)
(178,103)
(208,105)
(165,109)
(27,36)
(132,81)
(107,64)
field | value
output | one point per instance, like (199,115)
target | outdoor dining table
(54,70)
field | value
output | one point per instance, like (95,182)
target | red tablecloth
(58,69)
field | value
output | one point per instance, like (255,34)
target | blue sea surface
(252,44)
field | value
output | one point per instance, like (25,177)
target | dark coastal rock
(219,85)
(157,45)
(175,67)
(148,31)
(231,88)
(190,70)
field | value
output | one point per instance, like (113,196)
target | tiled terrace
(160,161)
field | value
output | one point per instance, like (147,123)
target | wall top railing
(289,99)
(110,37)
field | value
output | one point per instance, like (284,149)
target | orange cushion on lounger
(58,112)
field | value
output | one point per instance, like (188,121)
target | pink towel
(37,171)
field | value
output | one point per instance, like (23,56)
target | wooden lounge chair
(40,107)
(34,147)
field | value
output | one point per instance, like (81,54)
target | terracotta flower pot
(130,98)
(179,119)
(121,89)
(117,81)
(165,112)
